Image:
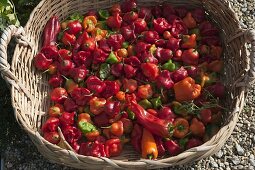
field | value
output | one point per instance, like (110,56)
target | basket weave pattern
(30,88)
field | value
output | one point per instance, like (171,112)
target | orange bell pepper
(148,145)
(89,23)
(98,34)
(189,21)
(181,128)
(186,89)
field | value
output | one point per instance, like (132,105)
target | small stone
(222,165)
(228,168)
(235,160)
(240,167)
(251,156)
(219,154)
(239,149)
(226,163)
(253,139)
(252,162)
(214,164)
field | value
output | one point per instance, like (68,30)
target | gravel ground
(237,153)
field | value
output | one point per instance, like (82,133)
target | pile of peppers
(145,76)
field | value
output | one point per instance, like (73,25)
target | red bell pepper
(72,134)
(67,119)
(42,62)
(59,95)
(114,21)
(81,96)
(50,125)
(96,149)
(190,56)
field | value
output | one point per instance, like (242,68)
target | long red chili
(51,31)
(155,125)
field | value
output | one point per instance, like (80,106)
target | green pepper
(156,102)
(104,14)
(125,44)
(112,59)
(146,104)
(131,115)
(170,66)
(86,127)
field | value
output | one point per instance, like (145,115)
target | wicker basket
(29,88)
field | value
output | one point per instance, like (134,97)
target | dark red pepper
(160,25)
(42,62)
(193,142)
(96,149)
(172,147)
(102,44)
(136,137)
(114,21)
(59,95)
(160,146)
(52,137)
(112,108)
(111,88)
(129,71)
(67,119)
(70,105)
(79,73)
(83,58)
(51,125)
(128,33)
(128,5)
(166,113)
(150,36)
(113,147)
(133,61)
(145,12)
(74,27)
(51,30)
(115,41)
(79,41)
(71,133)
(154,124)
(56,80)
(99,56)
(50,52)
(117,69)
(164,80)
(68,39)
(140,25)
(64,54)
(81,96)
(101,120)
(179,74)
(173,44)
(130,17)
(95,85)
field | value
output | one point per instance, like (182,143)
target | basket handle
(250,37)
(7,74)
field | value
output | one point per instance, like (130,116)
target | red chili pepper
(129,71)
(140,25)
(95,85)
(128,33)
(173,44)
(112,108)
(117,69)
(51,30)
(166,113)
(89,44)
(160,146)
(79,41)
(161,25)
(102,44)
(150,70)
(70,105)
(99,56)
(136,137)
(79,73)
(113,147)
(41,62)
(83,58)
(56,80)
(164,80)
(115,41)
(68,39)
(96,149)
(190,56)
(74,27)
(145,91)
(111,88)
(179,74)
(114,21)
(172,147)
(128,5)
(145,12)
(147,57)
(64,54)
(72,134)
(51,125)
(193,142)
(155,125)
(50,52)
(65,67)
(163,55)
(81,96)
(96,105)
(206,116)
(59,95)
(127,125)
(130,17)
(101,120)
(133,61)
(67,119)
(52,137)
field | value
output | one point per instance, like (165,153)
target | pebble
(214,164)
(235,160)
(219,154)
(252,162)
(239,149)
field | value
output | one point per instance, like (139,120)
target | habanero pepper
(96,105)
(89,23)
(181,127)
(148,145)
(42,62)
(154,124)
(189,41)
(50,125)
(58,95)
(96,149)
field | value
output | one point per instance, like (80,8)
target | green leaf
(3,2)
(104,70)
(76,16)
(104,14)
